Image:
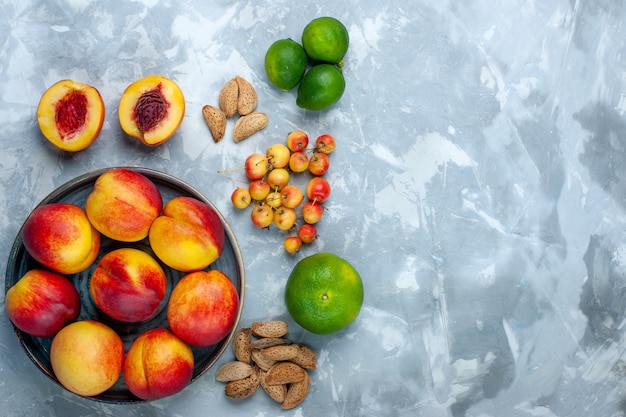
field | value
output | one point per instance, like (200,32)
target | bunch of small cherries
(275,199)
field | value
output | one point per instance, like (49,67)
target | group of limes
(315,66)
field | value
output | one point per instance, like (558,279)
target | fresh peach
(60,237)
(203,307)
(151,109)
(123,204)
(42,302)
(158,364)
(70,115)
(188,236)
(87,357)
(128,285)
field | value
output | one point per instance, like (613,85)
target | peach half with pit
(151,109)
(42,302)
(60,237)
(123,204)
(203,307)
(188,235)
(128,285)
(70,115)
(87,357)
(158,364)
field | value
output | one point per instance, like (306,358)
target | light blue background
(478,186)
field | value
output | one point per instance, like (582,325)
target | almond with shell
(215,120)
(281,353)
(306,357)
(247,99)
(241,344)
(232,371)
(248,125)
(229,98)
(243,388)
(272,328)
(261,361)
(276,392)
(285,373)
(296,392)
(269,342)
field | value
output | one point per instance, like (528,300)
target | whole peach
(123,204)
(60,237)
(42,302)
(188,236)
(128,285)
(203,307)
(158,364)
(87,357)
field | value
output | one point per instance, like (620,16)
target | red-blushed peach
(87,357)
(42,302)
(123,204)
(203,307)
(158,364)
(188,236)
(71,115)
(60,237)
(128,285)
(151,109)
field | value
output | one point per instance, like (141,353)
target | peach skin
(188,236)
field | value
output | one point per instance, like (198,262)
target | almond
(306,357)
(243,388)
(215,120)
(296,392)
(261,361)
(229,97)
(241,344)
(269,342)
(285,373)
(232,371)
(281,353)
(273,328)
(247,99)
(249,124)
(276,392)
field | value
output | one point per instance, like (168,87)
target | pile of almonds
(237,97)
(269,360)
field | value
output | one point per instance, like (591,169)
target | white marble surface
(479,187)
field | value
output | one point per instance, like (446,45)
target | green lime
(321,87)
(285,63)
(324,293)
(325,39)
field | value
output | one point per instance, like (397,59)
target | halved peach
(151,109)
(70,115)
